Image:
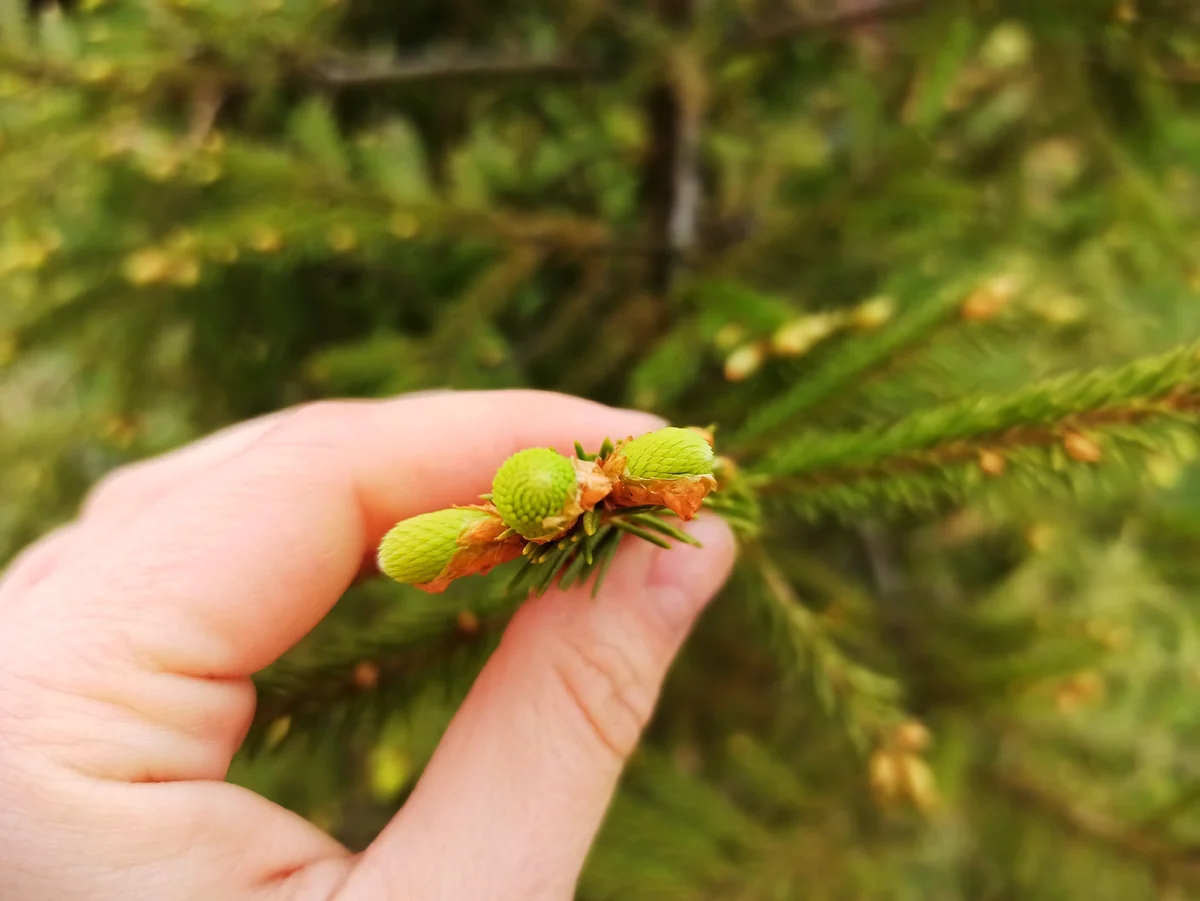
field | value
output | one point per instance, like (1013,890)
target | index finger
(220,577)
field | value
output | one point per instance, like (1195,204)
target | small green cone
(536,491)
(670,467)
(418,550)
(670,453)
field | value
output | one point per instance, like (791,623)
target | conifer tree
(929,269)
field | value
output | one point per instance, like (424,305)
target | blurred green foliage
(871,241)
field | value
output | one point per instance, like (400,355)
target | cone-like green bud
(534,490)
(670,453)
(418,550)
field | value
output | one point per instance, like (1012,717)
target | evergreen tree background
(933,269)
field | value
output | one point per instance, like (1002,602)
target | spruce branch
(101,79)
(564,515)
(1109,751)
(1046,413)
(1166,857)
(287,173)
(1043,471)
(383,666)
(866,702)
(482,301)
(855,361)
(712,854)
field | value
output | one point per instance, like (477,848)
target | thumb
(512,800)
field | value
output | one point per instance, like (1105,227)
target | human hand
(128,638)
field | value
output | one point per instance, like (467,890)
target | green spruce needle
(650,521)
(644,534)
(605,554)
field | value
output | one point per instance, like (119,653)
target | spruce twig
(865,701)
(1166,387)
(395,658)
(579,556)
(856,361)
(1161,853)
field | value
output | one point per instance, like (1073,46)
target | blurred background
(880,244)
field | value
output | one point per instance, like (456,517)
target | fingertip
(555,714)
(536,399)
(507,420)
(685,578)
(627,420)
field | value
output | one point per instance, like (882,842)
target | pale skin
(128,638)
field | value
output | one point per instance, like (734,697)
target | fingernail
(685,578)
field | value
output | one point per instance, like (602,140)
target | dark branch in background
(889,579)
(483,67)
(850,15)
(207,98)
(676,14)
(350,71)
(208,69)
(670,180)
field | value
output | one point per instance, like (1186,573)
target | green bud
(534,490)
(670,453)
(418,550)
